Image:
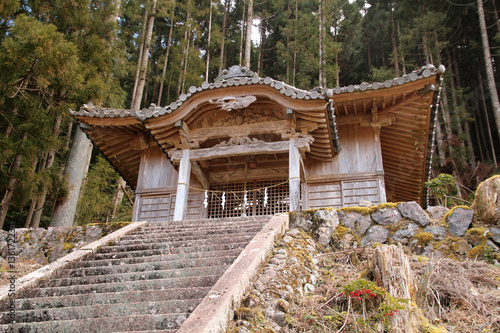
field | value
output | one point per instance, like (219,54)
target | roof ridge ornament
(235,71)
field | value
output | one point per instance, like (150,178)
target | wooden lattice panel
(278,198)
(156,208)
(343,193)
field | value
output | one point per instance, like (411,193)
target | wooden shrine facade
(246,145)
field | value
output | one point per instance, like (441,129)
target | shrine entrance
(256,197)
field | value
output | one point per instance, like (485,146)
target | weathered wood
(257,147)
(199,174)
(183,186)
(396,276)
(294,175)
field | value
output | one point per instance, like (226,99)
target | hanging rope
(234,192)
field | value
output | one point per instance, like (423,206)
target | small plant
(441,187)
(373,301)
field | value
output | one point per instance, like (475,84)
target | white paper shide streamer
(205,202)
(245,199)
(223,203)
(265,197)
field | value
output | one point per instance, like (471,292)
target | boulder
(92,233)
(356,221)
(412,211)
(376,234)
(437,212)
(487,201)
(387,216)
(459,221)
(402,235)
(495,235)
(438,232)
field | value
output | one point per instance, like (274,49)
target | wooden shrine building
(246,145)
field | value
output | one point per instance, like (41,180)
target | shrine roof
(239,76)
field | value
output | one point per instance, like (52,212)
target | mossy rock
(487,201)
(423,238)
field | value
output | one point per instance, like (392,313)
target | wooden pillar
(294,176)
(182,187)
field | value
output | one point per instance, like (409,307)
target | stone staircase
(148,281)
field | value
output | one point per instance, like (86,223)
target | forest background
(59,54)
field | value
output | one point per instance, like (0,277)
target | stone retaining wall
(437,230)
(47,245)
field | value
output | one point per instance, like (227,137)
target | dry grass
(461,296)
(464,295)
(21,268)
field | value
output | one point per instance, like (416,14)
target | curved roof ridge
(237,75)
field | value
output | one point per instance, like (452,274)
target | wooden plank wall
(160,207)
(360,153)
(343,193)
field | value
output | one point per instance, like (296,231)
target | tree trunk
(488,121)
(31,209)
(162,82)
(11,182)
(439,140)
(260,63)
(394,43)
(403,63)
(45,165)
(242,34)
(489,67)
(145,57)
(139,59)
(208,44)
(449,134)
(76,169)
(395,275)
(248,38)
(117,197)
(295,44)
(320,43)
(223,37)
(466,122)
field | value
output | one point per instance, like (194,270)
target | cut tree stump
(394,274)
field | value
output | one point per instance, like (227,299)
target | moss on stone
(250,314)
(447,215)
(477,252)
(423,238)
(360,210)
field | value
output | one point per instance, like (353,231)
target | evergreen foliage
(56,55)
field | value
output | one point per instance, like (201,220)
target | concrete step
(111,324)
(159,295)
(171,251)
(215,239)
(172,258)
(185,235)
(103,311)
(206,225)
(141,285)
(147,266)
(204,222)
(148,281)
(135,276)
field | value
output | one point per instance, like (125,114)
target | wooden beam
(182,186)
(294,176)
(253,148)
(195,167)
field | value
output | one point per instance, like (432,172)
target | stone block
(376,234)
(459,221)
(412,211)
(386,216)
